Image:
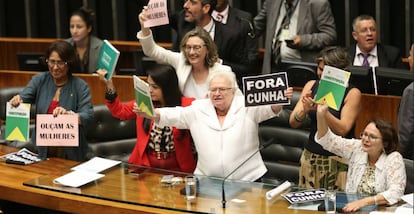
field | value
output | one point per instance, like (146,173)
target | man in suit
(310,28)
(367,51)
(233,34)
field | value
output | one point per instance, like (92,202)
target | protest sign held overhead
(265,89)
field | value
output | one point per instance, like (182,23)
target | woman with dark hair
(58,92)
(160,147)
(321,168)
(87,46)
(376,168)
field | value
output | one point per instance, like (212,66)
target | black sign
(265,89)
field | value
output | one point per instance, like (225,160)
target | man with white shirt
(367,51)
(233,35)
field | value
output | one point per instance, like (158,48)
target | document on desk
(96,165)
(86,172)
(77,178)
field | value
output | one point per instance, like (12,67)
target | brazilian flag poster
(332,86)
(17,122)
(143,97)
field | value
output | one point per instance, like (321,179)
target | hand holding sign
(154,14)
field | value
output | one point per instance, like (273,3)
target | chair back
(409,165)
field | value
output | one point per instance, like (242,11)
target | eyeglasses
(195,48)
(371,137)
(59,64)
(220,90)
(368,29)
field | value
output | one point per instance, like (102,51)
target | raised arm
(142,17)
(321,114)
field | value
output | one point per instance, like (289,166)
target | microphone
(264,145)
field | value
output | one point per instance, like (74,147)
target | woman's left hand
(60,110)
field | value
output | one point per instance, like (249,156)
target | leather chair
(409,165)
(283,118)
(282,157)
(110,137)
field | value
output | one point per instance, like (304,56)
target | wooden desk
(124,84)
(12,189)
(10,46)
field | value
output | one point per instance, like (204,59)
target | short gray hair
(360,18)
(229,75)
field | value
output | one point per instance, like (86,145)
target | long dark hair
(166,78)
(87,15)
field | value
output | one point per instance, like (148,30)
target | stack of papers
(86,172)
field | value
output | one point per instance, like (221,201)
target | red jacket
(182,144)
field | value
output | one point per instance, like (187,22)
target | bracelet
(110,95)
(375,200)
(297,118)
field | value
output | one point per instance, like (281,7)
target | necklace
(60,85)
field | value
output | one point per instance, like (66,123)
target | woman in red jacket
(160,147)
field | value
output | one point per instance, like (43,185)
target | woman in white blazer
(224,130)
(197,58)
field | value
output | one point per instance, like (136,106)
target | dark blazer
(388,56)
(237,46)
(316,28)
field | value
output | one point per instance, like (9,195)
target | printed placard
(17,122)
(62,130)
(305,196)
(265,89)
(157,13)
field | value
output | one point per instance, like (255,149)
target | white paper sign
(157,13)
(62,130)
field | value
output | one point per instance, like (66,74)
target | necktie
(283,25)
(365,61)
(219,17)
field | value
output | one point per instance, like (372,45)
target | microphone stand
(223,194)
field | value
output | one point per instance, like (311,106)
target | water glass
(190,187)
(330,201)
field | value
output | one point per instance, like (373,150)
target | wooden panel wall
(10,46)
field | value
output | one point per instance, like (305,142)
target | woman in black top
(320,168)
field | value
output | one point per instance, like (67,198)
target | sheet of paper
(96,165)
(408,198)
(157,13)
(77,178)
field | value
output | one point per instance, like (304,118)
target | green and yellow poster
(332,86)
(17,122)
